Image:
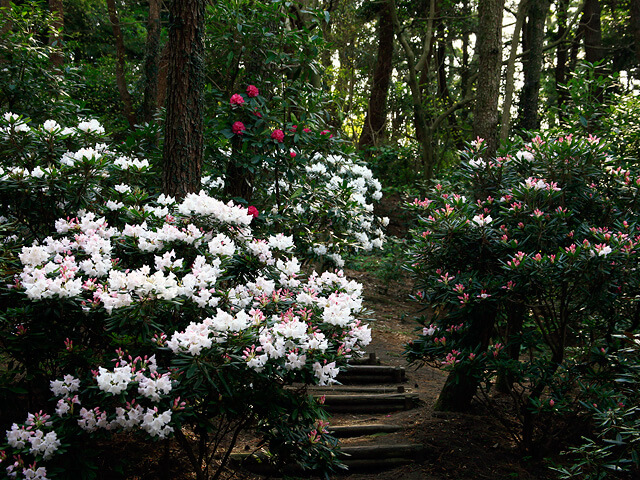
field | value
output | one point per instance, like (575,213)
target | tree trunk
(562,56)
(376,119)
(423,133)
(592,31)
(441,55)
(532,64)
(460,387)
(511,66)
(184,143)
(125,97)
(489,42)
(151,62)
(55,35)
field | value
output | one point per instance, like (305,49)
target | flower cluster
(269,323)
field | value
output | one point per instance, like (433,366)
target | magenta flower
(278,135)
(252,91)
(292,154)
(306,130)
(238,128)
(236,99)
(253,211)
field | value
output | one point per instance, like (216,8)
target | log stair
(366,389)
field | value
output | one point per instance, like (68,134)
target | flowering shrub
(49,170)
(537,256)
(209,322)
(301,179)
(610,396)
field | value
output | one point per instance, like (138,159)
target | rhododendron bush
(302,178)
(529,266)
(208,322)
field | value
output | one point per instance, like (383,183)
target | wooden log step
(349,431)
(411,451)
(356,458)
(372,374)
(341,389)
(369,403)
(371,359)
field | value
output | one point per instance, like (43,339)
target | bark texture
(489,42)
(375,121)
(592,28)
(121,80)
(151,62)
(183,147)
(532,63)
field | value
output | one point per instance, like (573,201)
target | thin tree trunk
(511,67)
(465,71)
(562,56)
(151,62)
(121,81)
(376,118)
(163,76)
(489,42)
(441,55)
(532,64)
(461,386)
(184,143)
(55,35)
(592,31)
(420,121)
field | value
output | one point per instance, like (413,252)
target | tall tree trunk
(532,64)
(465,71)
(376,118)
(55,35)
(151,62)
(441,55)
(184,143)
(562,56)
(121,81)
(635,26)
(592,31)
(489,42)
(511,66)
(419,115)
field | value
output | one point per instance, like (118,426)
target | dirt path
(469,446)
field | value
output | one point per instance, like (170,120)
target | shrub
(528,267)
(209,322)
(302,178)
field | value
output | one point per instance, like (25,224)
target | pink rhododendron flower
(236,99)
(238,128)
(306,130)
(253,211)
(252,91)
(278,135)
(292,154)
